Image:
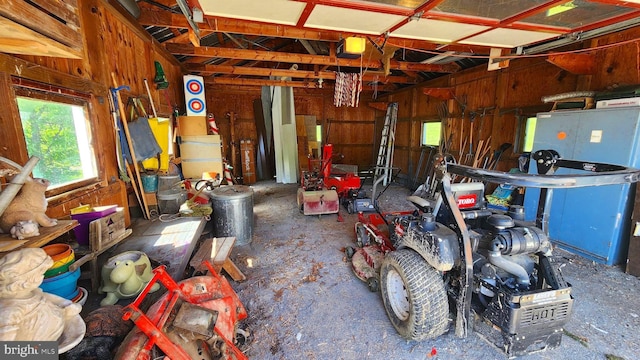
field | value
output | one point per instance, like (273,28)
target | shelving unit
(47,234)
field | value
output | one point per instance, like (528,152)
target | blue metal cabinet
(593,221)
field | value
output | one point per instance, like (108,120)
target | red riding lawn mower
(321,187)
(453,254)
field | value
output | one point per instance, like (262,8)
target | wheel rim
(397,294)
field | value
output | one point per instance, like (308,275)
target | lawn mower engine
(515,287)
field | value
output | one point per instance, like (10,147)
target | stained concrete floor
(304,302)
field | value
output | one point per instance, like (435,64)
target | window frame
(40,91)
(422,126)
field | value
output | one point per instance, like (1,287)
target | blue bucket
(149,183)
(64,285)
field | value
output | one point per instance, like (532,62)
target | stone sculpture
(30,204)
(26,312)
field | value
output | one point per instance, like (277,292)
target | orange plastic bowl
(61,254)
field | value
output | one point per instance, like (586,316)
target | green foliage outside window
(51,133)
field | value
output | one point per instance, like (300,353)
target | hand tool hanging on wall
(136,180)
(153,107)
(469,156)
(121,142)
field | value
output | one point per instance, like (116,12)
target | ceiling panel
(507,38)
(342,19)
(436,30)
(577,13)
(273,11)
(491,9)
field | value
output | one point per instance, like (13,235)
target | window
(529,133)
(56,130)
(430,133)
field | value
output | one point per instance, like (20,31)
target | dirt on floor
(304,301)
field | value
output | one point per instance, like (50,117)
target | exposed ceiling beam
(260,82)
(257,71)
(204,51)
(295,84)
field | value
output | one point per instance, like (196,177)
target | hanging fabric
(347,89)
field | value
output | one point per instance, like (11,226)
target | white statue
(26,312)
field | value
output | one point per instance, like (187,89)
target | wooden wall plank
(28,15)
(12,143)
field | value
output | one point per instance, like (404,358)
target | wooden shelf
(7,243)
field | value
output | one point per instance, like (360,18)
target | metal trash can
(233,212)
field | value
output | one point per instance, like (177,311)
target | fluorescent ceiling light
(559,9)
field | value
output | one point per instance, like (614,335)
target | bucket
(233,212)
(64,285)
(166,182)
(169,201)
(149,183)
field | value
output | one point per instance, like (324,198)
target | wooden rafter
(303,74)
(290,83)
(214,52)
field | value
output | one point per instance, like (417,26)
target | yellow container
(160,128)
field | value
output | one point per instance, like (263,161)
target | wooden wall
(499,99)
(111,45)
(507,94)
(351,130)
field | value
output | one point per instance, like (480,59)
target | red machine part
(210,292)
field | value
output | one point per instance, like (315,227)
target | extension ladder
(385,153)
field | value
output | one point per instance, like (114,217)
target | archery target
(194,95)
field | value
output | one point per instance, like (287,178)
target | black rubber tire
(349,251)
(362,236)
(373,284)
(350,207)
(414,296)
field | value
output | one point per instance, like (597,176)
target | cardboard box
(107,229)
(616,103)
(192,125)
(200,154)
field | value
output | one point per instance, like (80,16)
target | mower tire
(349,251)
(373,284)
(414,296)
(362,236)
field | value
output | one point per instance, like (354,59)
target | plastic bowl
(53,271)
(63,285)
(59,252)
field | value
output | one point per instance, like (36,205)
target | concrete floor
(304,302)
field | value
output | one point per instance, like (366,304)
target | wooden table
(8,244)
(169,243)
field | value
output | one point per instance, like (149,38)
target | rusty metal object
(204,326)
